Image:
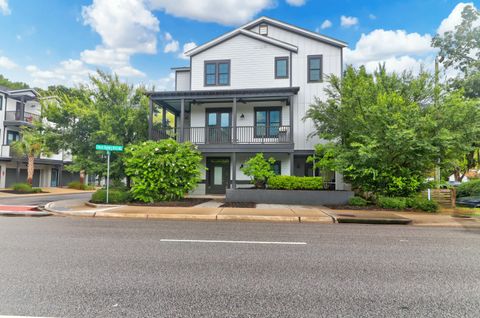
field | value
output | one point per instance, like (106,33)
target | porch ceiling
(172,99)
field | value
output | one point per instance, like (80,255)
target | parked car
(471,202)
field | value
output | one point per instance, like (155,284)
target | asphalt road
(42,199)
(75,267)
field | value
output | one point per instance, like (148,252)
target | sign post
(108,149)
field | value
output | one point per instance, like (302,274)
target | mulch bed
(16,192)
(368,208)
(187,202)
(239,205)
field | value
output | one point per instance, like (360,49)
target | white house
(20,108)
(248,91)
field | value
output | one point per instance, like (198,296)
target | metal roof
(223,93)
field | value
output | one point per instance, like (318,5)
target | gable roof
(245,30)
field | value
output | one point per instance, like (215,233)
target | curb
(374,221)
(29,214)
(259,218)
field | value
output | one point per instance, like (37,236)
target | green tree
(5,82)
(259,169)
(380,130)
(33,143)
(106,111)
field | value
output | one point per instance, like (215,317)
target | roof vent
(263,29)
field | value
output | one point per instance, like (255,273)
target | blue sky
(60,42)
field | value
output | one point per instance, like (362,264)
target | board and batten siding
(182,80)
(332,64)
(252,64)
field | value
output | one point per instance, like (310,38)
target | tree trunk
(30,169)
(82,176)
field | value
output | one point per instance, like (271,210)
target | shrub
(469,189)
(114,196)
(25,188)
(397,203)
(295,183)
(423,204)
(259,170)
(357,201)
(162,170)
(79,186)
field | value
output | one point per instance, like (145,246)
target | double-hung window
(315,68)
(281,67)
(267,122)
(217,73)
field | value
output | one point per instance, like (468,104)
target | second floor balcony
(17,116)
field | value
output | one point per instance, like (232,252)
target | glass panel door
(218,126)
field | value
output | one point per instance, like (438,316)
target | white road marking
(21,317)
(233,242)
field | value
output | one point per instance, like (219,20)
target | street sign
(109,147)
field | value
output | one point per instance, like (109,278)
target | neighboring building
(248,91)
(20,108)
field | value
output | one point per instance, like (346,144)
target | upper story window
(315,68)
(12,136)
(1,102)
(281,67)
(217,73)
(263,29)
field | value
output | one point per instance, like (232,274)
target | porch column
(60,171)
(150,118)
(182,118)
(234,170)
(292,164)
(22,109)
(234,122)
(290,100)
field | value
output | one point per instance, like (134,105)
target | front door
(218,126)
(54,179)
(218,175)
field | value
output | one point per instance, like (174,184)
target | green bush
(397,203)
(357,201)
(423,204)
(259,170)
(469,189)
(79,186)
(114,196)
(295,183)
(25,188)
(162,170)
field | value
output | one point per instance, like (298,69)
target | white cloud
(123,33)
(187,47)
(231,12)
(168,36)
(69,72)
(402,63)
(326,24)
(372,16)
(172,46)
(384,44)
(454,18)
(4,9)
(348,21)
(296,3)
(165,83)
(7,63)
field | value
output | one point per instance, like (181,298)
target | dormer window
(263,29)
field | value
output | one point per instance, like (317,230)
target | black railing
(227,135)
(17,116)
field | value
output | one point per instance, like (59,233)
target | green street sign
(109,147)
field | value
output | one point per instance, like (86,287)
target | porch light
(242,116)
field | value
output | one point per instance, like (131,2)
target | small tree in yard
(162,171)
(32,144)
(259,170)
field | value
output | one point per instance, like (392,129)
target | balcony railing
(17,116)
(227,135)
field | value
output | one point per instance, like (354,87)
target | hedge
(114,196)
(401,203)
(295,183)
(25,188)
(79,186)
(469,189)
(357,201)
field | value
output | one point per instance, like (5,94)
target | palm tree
(33,143)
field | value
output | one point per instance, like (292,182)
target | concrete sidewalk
(263,212)
(48,191)
(270,213)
